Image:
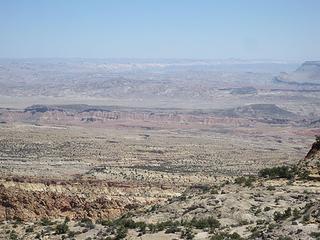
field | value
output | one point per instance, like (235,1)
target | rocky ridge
(310,165)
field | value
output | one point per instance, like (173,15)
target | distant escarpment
(307,74)
(264,112)
(106,115)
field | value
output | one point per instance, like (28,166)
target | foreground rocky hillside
(281,203)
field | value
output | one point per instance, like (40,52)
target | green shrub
(46,222)
(246,181)
(17,220)
(306,218)
(153,208)
(296,214)
(315,235)
(71,234)
(105,222)
(282,216)
(121,233)
(260,221)
(127,223)
(267,208)
(87,223)
(187,234)
(167,224)
(152,228)
(278,172)
(256,233)
(202,223)
(226,236)
(204,187)
(257,211)
(271,188)
(141,227)
(284,238)
(29,229)
(173,229)
(214,191)
(62,228)
(13,235)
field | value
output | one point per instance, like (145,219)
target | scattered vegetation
(121,226)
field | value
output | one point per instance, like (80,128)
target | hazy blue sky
(263,29)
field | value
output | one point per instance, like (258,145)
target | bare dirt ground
(69,151)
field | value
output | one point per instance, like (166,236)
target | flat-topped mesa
(311,163)
(307,74)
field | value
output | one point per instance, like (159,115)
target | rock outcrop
(35,199)
(310,165)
